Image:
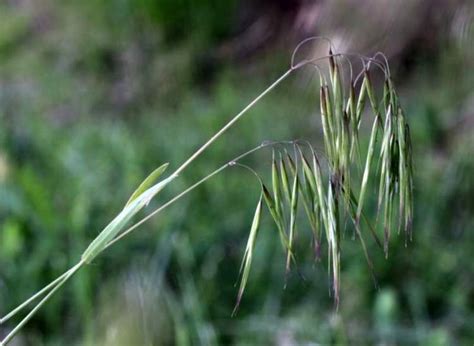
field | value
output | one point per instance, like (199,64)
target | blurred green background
(94,95)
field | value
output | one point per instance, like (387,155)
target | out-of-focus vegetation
(94,95)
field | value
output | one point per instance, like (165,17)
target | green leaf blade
(149,181)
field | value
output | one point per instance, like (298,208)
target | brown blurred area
(401,29)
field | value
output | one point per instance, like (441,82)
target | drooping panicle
(354,175)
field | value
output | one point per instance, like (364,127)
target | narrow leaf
(120,221)
(149,181)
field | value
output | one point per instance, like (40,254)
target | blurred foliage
(183,18)
(93,97)
(201,21)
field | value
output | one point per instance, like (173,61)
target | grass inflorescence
(332,187)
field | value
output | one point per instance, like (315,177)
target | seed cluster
(338,192)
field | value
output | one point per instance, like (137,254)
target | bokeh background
(96,94)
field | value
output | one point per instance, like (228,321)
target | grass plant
(331,186)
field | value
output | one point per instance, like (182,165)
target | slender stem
(232,122)
(189,189)
(71,272)
(33,297)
